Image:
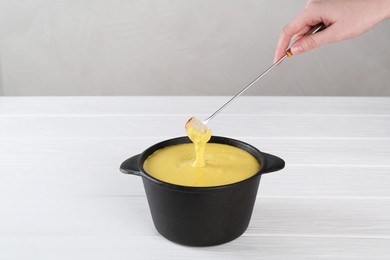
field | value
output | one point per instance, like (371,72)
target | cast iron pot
(201,216)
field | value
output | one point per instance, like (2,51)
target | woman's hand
(343,19)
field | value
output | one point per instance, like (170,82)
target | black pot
(201,216)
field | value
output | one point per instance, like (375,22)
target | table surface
(62,195)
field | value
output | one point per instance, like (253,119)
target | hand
(343,19)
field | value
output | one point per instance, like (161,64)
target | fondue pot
(201,216)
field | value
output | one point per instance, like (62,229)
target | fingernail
(296,49)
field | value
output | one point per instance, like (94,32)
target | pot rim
(259,156)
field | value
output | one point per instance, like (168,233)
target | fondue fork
(288,53)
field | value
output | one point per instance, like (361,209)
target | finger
(313,41)
(295,26)
(300,34)
(281,46)
(283,42)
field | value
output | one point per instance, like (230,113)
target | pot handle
(272,163)
(131,166)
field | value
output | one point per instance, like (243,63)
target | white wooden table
(62,195)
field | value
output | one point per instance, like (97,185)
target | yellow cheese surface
(222,164)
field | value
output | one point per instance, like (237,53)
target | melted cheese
(201,164)
(224,164)
(199,139)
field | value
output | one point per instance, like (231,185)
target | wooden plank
(296,152)
(67,167)
(295,217)
(338,217)
(196,105)
(333,182)
(106,180)
(48,247)
(122,226)
(249,126)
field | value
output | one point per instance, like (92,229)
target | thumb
(312,41)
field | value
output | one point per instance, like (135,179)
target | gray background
(176,47)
